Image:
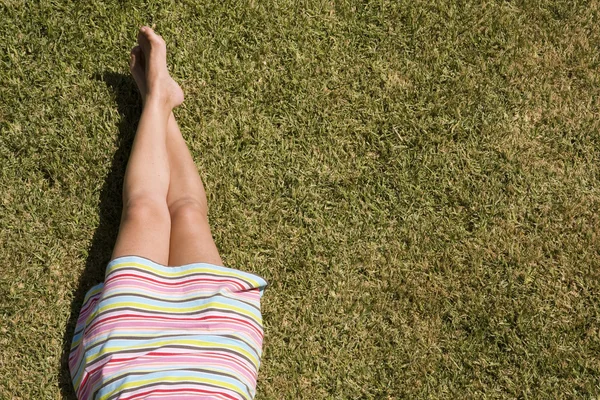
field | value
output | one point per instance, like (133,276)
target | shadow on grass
(129,107)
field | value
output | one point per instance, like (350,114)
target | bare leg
(145,223)
(190,239)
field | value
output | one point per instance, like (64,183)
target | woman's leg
(145,223)
(190,237)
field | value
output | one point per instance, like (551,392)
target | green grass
(417,180)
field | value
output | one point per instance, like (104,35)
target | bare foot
(138,70)
(148,65)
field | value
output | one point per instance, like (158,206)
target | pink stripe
(176,282)
(185,287)
(170,392)
(181,328)
(231,365)
(206,321)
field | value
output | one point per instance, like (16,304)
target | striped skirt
(151,331)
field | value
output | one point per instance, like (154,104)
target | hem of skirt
(262,283)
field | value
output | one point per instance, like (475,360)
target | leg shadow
(130,107)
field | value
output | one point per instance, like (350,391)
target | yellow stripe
(215,382)
(212,345)
(178,341)
(143,306)
(175,310)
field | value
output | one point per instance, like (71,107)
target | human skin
(165,212)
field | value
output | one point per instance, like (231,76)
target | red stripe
(89,304)
(176,283)
(213,354)
(169,391)
(116,360)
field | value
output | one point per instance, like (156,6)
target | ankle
(160,104)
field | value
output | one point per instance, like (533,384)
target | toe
(143,40)
(150,36)
(133,59)
(135,65)
(139,57)
(140,81)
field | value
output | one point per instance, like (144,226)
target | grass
(417,180)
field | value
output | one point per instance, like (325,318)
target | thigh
(191,238)
(144,231)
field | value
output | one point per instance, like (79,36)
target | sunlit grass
(417,180)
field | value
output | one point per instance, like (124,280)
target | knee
(146,208)
(188,209)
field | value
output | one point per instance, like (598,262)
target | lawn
(418,181)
